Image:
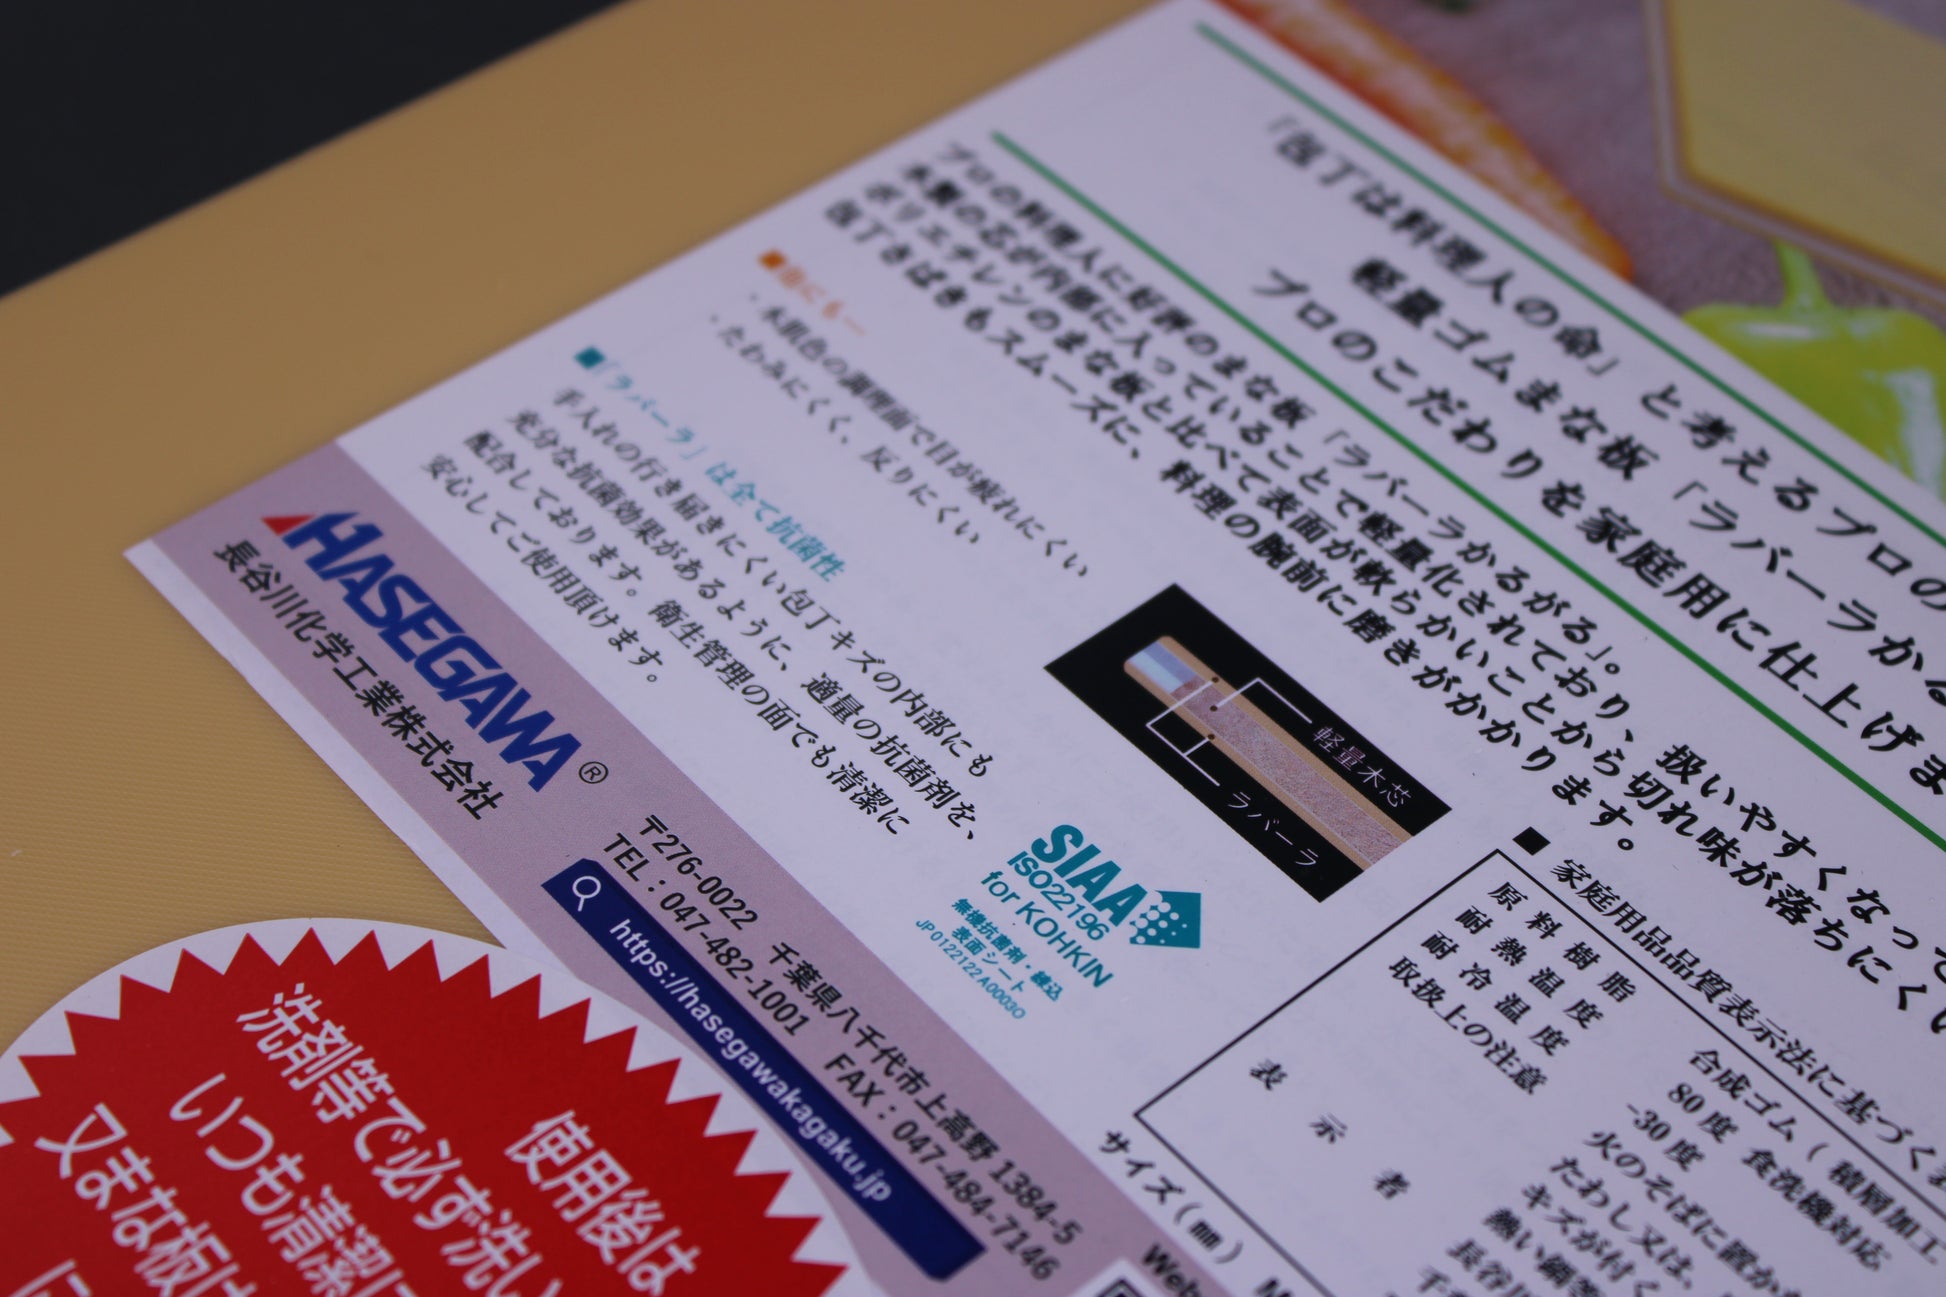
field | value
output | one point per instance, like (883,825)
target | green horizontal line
(1277,79)
(1257,331)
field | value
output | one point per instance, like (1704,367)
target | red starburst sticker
(358,1110)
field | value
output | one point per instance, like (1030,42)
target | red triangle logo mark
(284,522)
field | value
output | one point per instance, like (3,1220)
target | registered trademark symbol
(593,772)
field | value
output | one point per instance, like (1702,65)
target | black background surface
(117,113)
(1094,672)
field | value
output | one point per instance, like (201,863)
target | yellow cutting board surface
(145,791)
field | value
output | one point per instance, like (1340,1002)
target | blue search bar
(827,1135)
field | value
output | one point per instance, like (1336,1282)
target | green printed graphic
(1878,374)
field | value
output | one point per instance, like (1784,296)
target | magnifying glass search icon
(583,896)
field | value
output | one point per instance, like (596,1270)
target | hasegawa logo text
(414,626)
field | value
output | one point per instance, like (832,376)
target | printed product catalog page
(1182,697)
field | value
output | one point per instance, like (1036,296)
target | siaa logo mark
(1174,919)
